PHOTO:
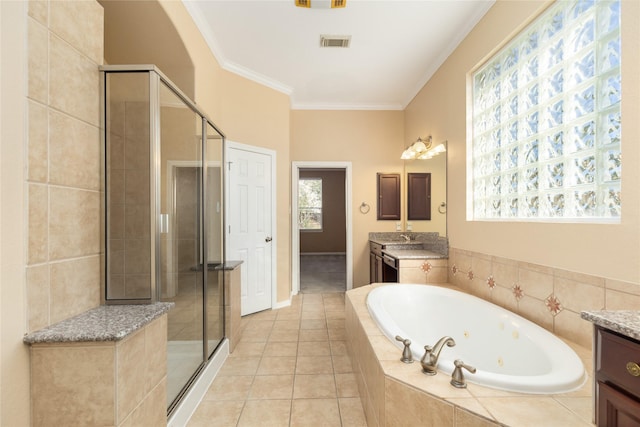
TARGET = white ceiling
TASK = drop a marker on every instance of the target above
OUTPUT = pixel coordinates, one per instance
(396, 46)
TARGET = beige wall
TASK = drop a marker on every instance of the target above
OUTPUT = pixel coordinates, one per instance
(372, 141)
(14, 356)
(609, 251)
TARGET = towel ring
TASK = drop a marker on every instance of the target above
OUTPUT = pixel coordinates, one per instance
(364, 208)
(442, 208)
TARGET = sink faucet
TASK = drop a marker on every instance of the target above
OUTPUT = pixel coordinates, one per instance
(429, 361)
(405, 237)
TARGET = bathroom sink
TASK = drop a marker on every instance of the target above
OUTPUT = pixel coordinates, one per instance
(400, 244)
(403, 245)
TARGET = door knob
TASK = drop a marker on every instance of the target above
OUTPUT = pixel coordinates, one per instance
(268, 239)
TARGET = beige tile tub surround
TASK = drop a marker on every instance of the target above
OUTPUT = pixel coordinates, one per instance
(423, 271)
(395, 393)
(551, 297)
(115, 383)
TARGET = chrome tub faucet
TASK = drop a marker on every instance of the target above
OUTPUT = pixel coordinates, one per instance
(429, 361)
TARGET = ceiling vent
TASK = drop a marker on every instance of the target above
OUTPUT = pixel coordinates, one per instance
(321, 4)
(334, 41)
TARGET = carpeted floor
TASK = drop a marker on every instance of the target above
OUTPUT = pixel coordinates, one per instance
(321, 274)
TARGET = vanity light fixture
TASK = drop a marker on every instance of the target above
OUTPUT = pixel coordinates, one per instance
(423, 149)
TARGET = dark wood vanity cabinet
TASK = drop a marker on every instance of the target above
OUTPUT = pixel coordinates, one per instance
(617, 379)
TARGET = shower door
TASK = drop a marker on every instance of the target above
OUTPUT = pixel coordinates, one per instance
(163, 214)
(191, 238)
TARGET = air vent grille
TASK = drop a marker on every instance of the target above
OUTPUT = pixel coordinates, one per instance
(335, 41)
(322, 4)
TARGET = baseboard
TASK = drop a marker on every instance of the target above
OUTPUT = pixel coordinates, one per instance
(282, 304)
(185, 409)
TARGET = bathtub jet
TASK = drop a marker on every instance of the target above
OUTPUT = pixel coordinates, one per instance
(508, 351)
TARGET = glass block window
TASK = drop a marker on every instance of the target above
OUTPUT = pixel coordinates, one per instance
(546, 120)
(310, 204)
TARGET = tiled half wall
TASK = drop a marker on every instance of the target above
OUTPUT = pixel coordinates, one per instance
(553, 298)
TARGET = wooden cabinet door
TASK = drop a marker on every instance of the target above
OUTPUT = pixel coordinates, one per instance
(616, 409)
(373, 268)
(388, 196)
(418, 196)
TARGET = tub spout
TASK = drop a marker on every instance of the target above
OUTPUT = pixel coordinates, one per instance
(429, 361)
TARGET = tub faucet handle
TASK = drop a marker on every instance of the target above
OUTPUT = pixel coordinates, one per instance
(457, 377)
(406, 353)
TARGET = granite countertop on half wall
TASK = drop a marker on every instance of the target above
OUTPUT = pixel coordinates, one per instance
(625, 322)
(104, 323)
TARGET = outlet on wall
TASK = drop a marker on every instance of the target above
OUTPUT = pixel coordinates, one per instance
(398, 226)
(409, 226)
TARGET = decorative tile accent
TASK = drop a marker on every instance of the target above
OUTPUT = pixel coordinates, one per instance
(426, 267)
(491, 282)
(553, 304)
(470, 275)
(454, 269)
(517, 291)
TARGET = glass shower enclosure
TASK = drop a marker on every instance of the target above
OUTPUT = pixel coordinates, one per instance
(163, 236)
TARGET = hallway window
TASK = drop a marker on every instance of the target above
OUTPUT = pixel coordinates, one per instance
(310, 203)
(546, 122)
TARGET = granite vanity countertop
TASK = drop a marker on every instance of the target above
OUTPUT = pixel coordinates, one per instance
(104, 323)
(413, 254)
(625, 322)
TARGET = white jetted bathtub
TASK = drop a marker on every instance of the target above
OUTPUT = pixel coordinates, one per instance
(508, 351)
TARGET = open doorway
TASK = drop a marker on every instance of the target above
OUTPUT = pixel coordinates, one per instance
(321, 227)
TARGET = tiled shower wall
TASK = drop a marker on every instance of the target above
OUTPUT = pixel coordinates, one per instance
(65, 48)
(550, 297)
(129, 258)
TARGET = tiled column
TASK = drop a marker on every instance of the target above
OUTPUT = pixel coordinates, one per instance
(65, 49)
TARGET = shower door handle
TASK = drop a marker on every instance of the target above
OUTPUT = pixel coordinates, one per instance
(268, 239)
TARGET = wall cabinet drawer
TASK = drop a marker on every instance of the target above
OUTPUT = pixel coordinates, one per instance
(376, 248)
(618, 361)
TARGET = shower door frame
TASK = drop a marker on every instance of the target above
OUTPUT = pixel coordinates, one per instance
(156, 79)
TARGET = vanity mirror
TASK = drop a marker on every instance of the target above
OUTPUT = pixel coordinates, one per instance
(425, 197)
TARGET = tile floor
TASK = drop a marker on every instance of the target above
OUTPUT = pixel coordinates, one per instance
(291, 368)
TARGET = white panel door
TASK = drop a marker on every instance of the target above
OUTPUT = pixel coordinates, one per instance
(249, 225)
